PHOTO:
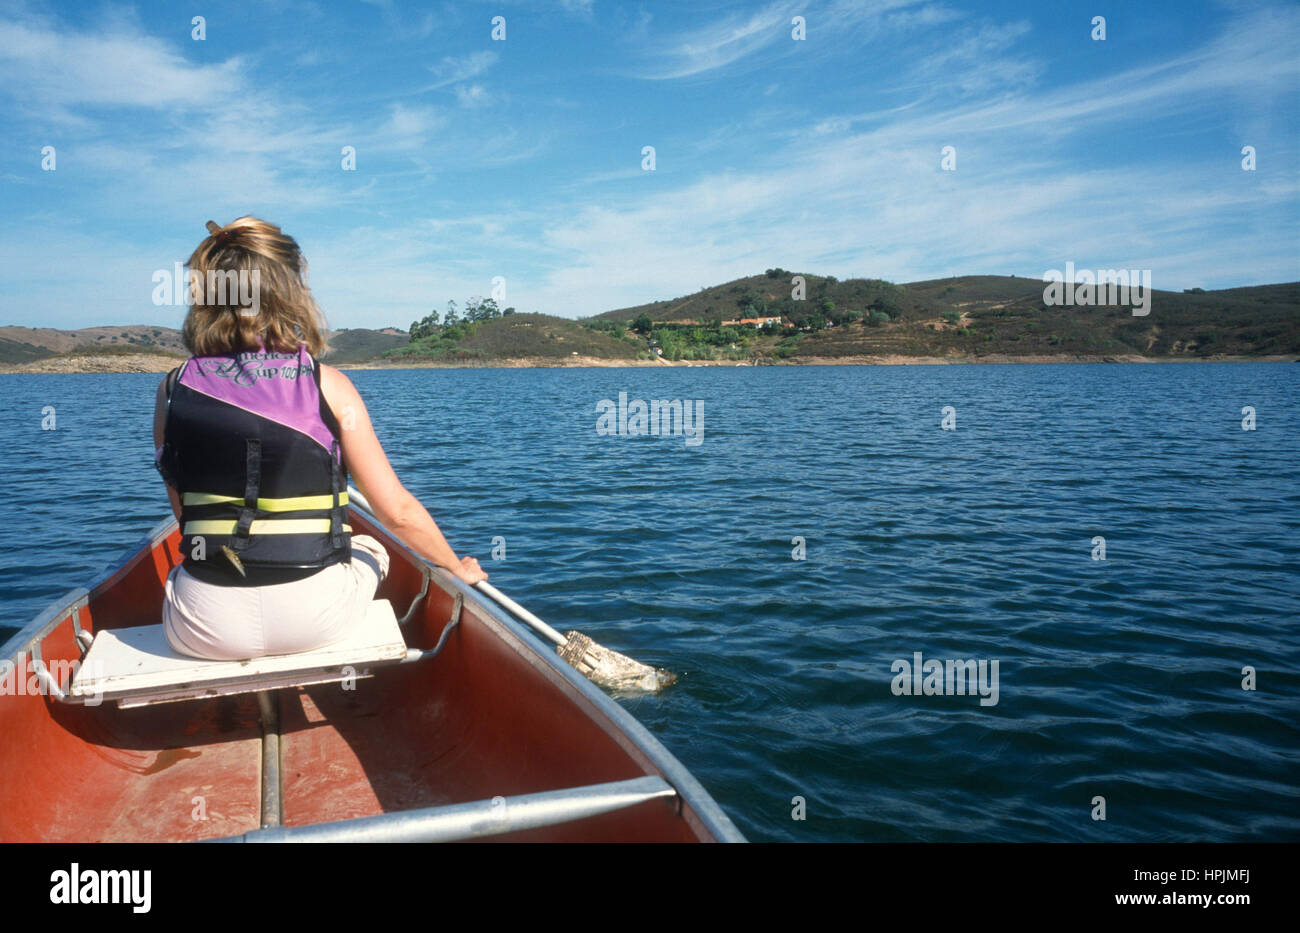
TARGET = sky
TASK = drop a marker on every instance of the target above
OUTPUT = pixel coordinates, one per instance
(522, 159)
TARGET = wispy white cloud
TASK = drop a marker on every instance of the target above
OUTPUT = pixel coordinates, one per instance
(401, 23)
(472, 95)
(764, 35)
(718, 44)
(458, 73)
(407, 127)
(66, 70)
(579, 7)
(932, 14)
(454, 70)
(982, 61)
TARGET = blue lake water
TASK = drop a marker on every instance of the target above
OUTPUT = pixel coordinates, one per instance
(1118, 678)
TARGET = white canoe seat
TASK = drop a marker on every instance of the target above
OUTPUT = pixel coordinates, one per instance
(137, 667)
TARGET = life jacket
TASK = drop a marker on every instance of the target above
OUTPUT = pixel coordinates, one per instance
(253, 450)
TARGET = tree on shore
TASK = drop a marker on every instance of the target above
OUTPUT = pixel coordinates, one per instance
(425, 327)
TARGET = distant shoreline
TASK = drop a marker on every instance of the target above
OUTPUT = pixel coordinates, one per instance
(758, 319)
(158, 363)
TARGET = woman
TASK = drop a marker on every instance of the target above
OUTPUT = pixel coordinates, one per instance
(256, 440)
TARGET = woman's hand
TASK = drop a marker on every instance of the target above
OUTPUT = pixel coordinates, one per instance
(469, 571)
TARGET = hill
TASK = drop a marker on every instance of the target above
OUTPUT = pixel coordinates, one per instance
(25, 344)
(68, 350)
(966, 317)
(357, 345)
(759, 295)
(518, 337)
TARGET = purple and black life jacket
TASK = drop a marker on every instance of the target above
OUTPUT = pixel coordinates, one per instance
(253, 450)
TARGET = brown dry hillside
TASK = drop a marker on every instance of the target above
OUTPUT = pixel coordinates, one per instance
(20, 345)
(358, 344)
(24, 344)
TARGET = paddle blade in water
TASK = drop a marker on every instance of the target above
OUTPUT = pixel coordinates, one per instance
(610, 669)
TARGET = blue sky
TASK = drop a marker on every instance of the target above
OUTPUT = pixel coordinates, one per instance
(523, 158)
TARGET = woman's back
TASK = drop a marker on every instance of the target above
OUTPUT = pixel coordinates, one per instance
(254, 451)
(257, 462)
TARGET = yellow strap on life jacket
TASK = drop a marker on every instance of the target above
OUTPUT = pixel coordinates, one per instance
(292, 504)
(263, 526)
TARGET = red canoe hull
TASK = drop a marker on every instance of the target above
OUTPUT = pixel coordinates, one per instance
(496, 714)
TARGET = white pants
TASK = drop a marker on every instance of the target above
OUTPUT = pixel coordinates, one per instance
(228, 623)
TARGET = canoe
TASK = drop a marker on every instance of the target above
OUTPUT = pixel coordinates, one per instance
(488, 736)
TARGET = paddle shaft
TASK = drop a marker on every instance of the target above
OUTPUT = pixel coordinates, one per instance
(519, 611)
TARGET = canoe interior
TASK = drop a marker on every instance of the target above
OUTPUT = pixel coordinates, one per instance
(489, 716)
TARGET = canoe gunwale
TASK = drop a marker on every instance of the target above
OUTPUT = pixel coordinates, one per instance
(27, 640)
(613, 719)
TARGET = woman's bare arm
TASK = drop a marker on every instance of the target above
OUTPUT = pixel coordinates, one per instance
(160, 422)
(373, 475)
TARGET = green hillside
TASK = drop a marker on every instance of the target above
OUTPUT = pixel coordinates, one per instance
(20, 351)
(517, 336)
(766, 294)
(962, 317)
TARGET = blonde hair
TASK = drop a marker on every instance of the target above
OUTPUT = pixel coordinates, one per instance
(273, 272)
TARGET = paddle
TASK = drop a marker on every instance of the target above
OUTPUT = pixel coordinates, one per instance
(594, 661)
(599, 664)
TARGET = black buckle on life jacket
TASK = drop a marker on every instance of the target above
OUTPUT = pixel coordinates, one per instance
(252, 486)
